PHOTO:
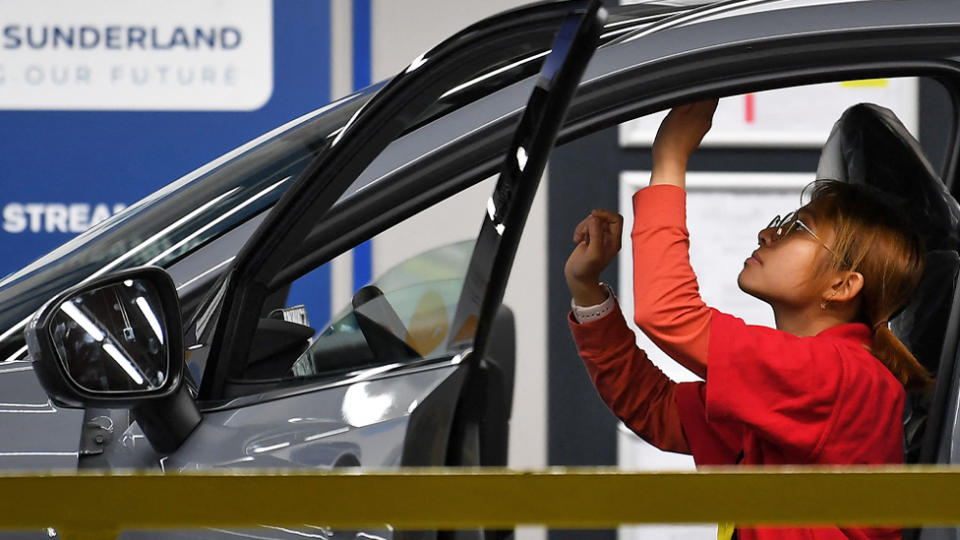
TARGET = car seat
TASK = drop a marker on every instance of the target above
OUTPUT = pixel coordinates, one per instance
(870, 146)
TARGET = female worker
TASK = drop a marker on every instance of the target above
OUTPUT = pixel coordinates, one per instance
(826, 386)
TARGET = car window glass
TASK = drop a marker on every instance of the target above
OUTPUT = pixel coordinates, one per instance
(404, 314)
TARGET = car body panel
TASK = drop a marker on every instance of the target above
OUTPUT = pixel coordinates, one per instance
(47, 436)
(359, 423)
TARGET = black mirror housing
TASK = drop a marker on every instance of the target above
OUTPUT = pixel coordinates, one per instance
(57, 368)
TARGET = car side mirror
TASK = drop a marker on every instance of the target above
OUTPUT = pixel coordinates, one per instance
(116, 342)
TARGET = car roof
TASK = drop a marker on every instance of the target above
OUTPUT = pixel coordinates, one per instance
(700, 11)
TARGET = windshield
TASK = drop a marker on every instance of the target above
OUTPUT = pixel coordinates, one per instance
(170, 223)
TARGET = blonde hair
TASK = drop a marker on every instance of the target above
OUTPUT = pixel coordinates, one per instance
(872, 237)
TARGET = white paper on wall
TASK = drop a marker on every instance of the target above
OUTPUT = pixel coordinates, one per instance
(800, 116)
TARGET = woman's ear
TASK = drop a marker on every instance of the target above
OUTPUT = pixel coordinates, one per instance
(845, 287)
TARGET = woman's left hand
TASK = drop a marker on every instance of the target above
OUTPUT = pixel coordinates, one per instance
(679, 135)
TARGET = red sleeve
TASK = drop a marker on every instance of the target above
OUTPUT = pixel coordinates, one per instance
(667, 303)
(634, 389)
(715, 442)
(783, 386)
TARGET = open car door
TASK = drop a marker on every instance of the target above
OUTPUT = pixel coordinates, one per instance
(226, 327)
(452, 413)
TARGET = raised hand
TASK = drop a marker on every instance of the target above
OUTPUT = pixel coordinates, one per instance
(598, 241)
(679, 135)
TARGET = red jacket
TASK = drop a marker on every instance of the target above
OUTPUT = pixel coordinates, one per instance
(775, 397)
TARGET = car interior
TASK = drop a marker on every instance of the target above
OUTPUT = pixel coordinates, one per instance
(869, 145)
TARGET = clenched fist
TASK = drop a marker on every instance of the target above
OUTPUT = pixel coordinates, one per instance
(598, 241)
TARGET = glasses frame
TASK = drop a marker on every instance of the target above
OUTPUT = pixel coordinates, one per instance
(784, 226)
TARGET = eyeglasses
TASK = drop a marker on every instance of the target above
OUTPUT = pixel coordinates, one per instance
(784, 226)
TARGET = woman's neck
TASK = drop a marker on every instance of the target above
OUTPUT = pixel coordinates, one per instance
(807, 321)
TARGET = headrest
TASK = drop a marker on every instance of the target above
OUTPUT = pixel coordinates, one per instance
(922, 323)
(869, 145)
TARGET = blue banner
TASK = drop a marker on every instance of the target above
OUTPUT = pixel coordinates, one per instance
(99, 108)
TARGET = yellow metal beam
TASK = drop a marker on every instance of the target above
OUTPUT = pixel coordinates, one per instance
(455, 498)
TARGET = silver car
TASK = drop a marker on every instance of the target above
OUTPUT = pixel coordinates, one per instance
(199, 362)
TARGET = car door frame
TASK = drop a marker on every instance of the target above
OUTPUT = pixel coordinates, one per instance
(247, 283)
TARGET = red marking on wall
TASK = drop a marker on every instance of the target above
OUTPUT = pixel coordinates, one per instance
(750, 108)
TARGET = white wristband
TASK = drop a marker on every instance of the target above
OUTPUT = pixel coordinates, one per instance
(584, 314)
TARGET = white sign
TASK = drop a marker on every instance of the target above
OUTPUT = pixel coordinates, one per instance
(801, 116)
(136, 54)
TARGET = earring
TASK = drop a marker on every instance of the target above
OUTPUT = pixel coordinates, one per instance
(825, 301)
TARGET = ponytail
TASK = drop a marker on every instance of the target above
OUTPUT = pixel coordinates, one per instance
(899, 360)
(874, 238)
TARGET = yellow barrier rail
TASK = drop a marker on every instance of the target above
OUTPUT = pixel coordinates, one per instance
(99, 505)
